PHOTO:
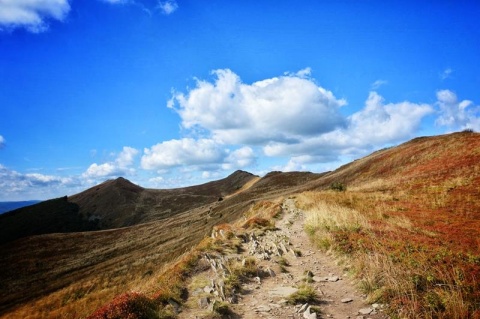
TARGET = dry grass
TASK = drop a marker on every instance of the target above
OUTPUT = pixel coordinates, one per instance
(395, 259)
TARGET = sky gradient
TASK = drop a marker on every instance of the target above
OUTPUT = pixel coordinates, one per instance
(176, 93)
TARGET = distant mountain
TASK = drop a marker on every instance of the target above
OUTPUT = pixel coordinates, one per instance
(8, 206)
(113, 204)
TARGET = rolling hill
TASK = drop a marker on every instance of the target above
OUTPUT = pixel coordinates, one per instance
(113, 204)
(423, 192)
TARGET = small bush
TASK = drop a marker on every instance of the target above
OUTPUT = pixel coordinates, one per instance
(306, 294)
(337, 186)
(130, 305)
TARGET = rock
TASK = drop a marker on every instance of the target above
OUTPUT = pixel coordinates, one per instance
(303, 308)
(318, 279)
(263, 308)
(346, 300)
(203, 302)
(282, 291)
(309, 315)
(333, 279)
(197, 292)
(360, 317)
(175, 305)
(365, 311)
(208, 289)
(270, 272)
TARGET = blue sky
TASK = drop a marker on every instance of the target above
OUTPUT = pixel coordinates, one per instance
(176, 93)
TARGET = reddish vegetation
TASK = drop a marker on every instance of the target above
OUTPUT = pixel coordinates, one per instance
(421, 199)
(127, 306)
(432, 184)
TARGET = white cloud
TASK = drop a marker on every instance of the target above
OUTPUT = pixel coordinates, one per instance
(446, 74)
(378, 83)
(186, 151)
(2, 141)
(457, 114)
(13, 183)
(32, 14)
(375, 125)
(168, 7)
(126, 157)
(279, 109)
(120, 166)
(239, 158)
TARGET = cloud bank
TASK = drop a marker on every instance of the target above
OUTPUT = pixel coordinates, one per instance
(120, 166)
(288, 119)
(31, 14)
(291, 116)
(457, 114)
(279, 109)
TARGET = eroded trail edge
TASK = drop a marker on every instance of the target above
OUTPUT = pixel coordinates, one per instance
(285, 277)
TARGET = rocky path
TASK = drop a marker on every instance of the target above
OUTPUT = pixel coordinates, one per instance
(287, 261)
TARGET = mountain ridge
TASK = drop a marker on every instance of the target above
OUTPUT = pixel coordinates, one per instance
(443, 168)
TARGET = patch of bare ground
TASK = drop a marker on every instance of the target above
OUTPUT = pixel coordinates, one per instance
(283, 276)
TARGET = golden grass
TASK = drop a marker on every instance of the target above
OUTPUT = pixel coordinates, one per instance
(395, 259)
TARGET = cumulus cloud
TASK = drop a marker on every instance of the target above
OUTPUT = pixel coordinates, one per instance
(375, 125)
(13, 182)
(239, 158)
(280, 109)
(186, 151)
(2, 141)
(196, 154)
(289, 116)
(120, 166)
(168, 7)
(457, 114)
(31, 14)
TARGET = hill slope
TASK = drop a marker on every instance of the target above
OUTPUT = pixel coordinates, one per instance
(424, 192)
(113, 204)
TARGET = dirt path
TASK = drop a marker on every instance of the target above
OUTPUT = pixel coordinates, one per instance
(266, 297)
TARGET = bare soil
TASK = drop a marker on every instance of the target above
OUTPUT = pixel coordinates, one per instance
(263, 298)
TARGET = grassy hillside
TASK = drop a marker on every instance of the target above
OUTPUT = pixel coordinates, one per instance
(406, 220)
(51, 216)
(85, 270)
(409, 222)
(113, 204)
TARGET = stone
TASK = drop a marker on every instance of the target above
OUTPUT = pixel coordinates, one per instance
(208, 289)
(203, 302)
(282, 291)
(270, 272)
(333, 279)
(318, 279)
(309, 315)
(263, 308)
(346, 300)
(303, 308)
(365, 311)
